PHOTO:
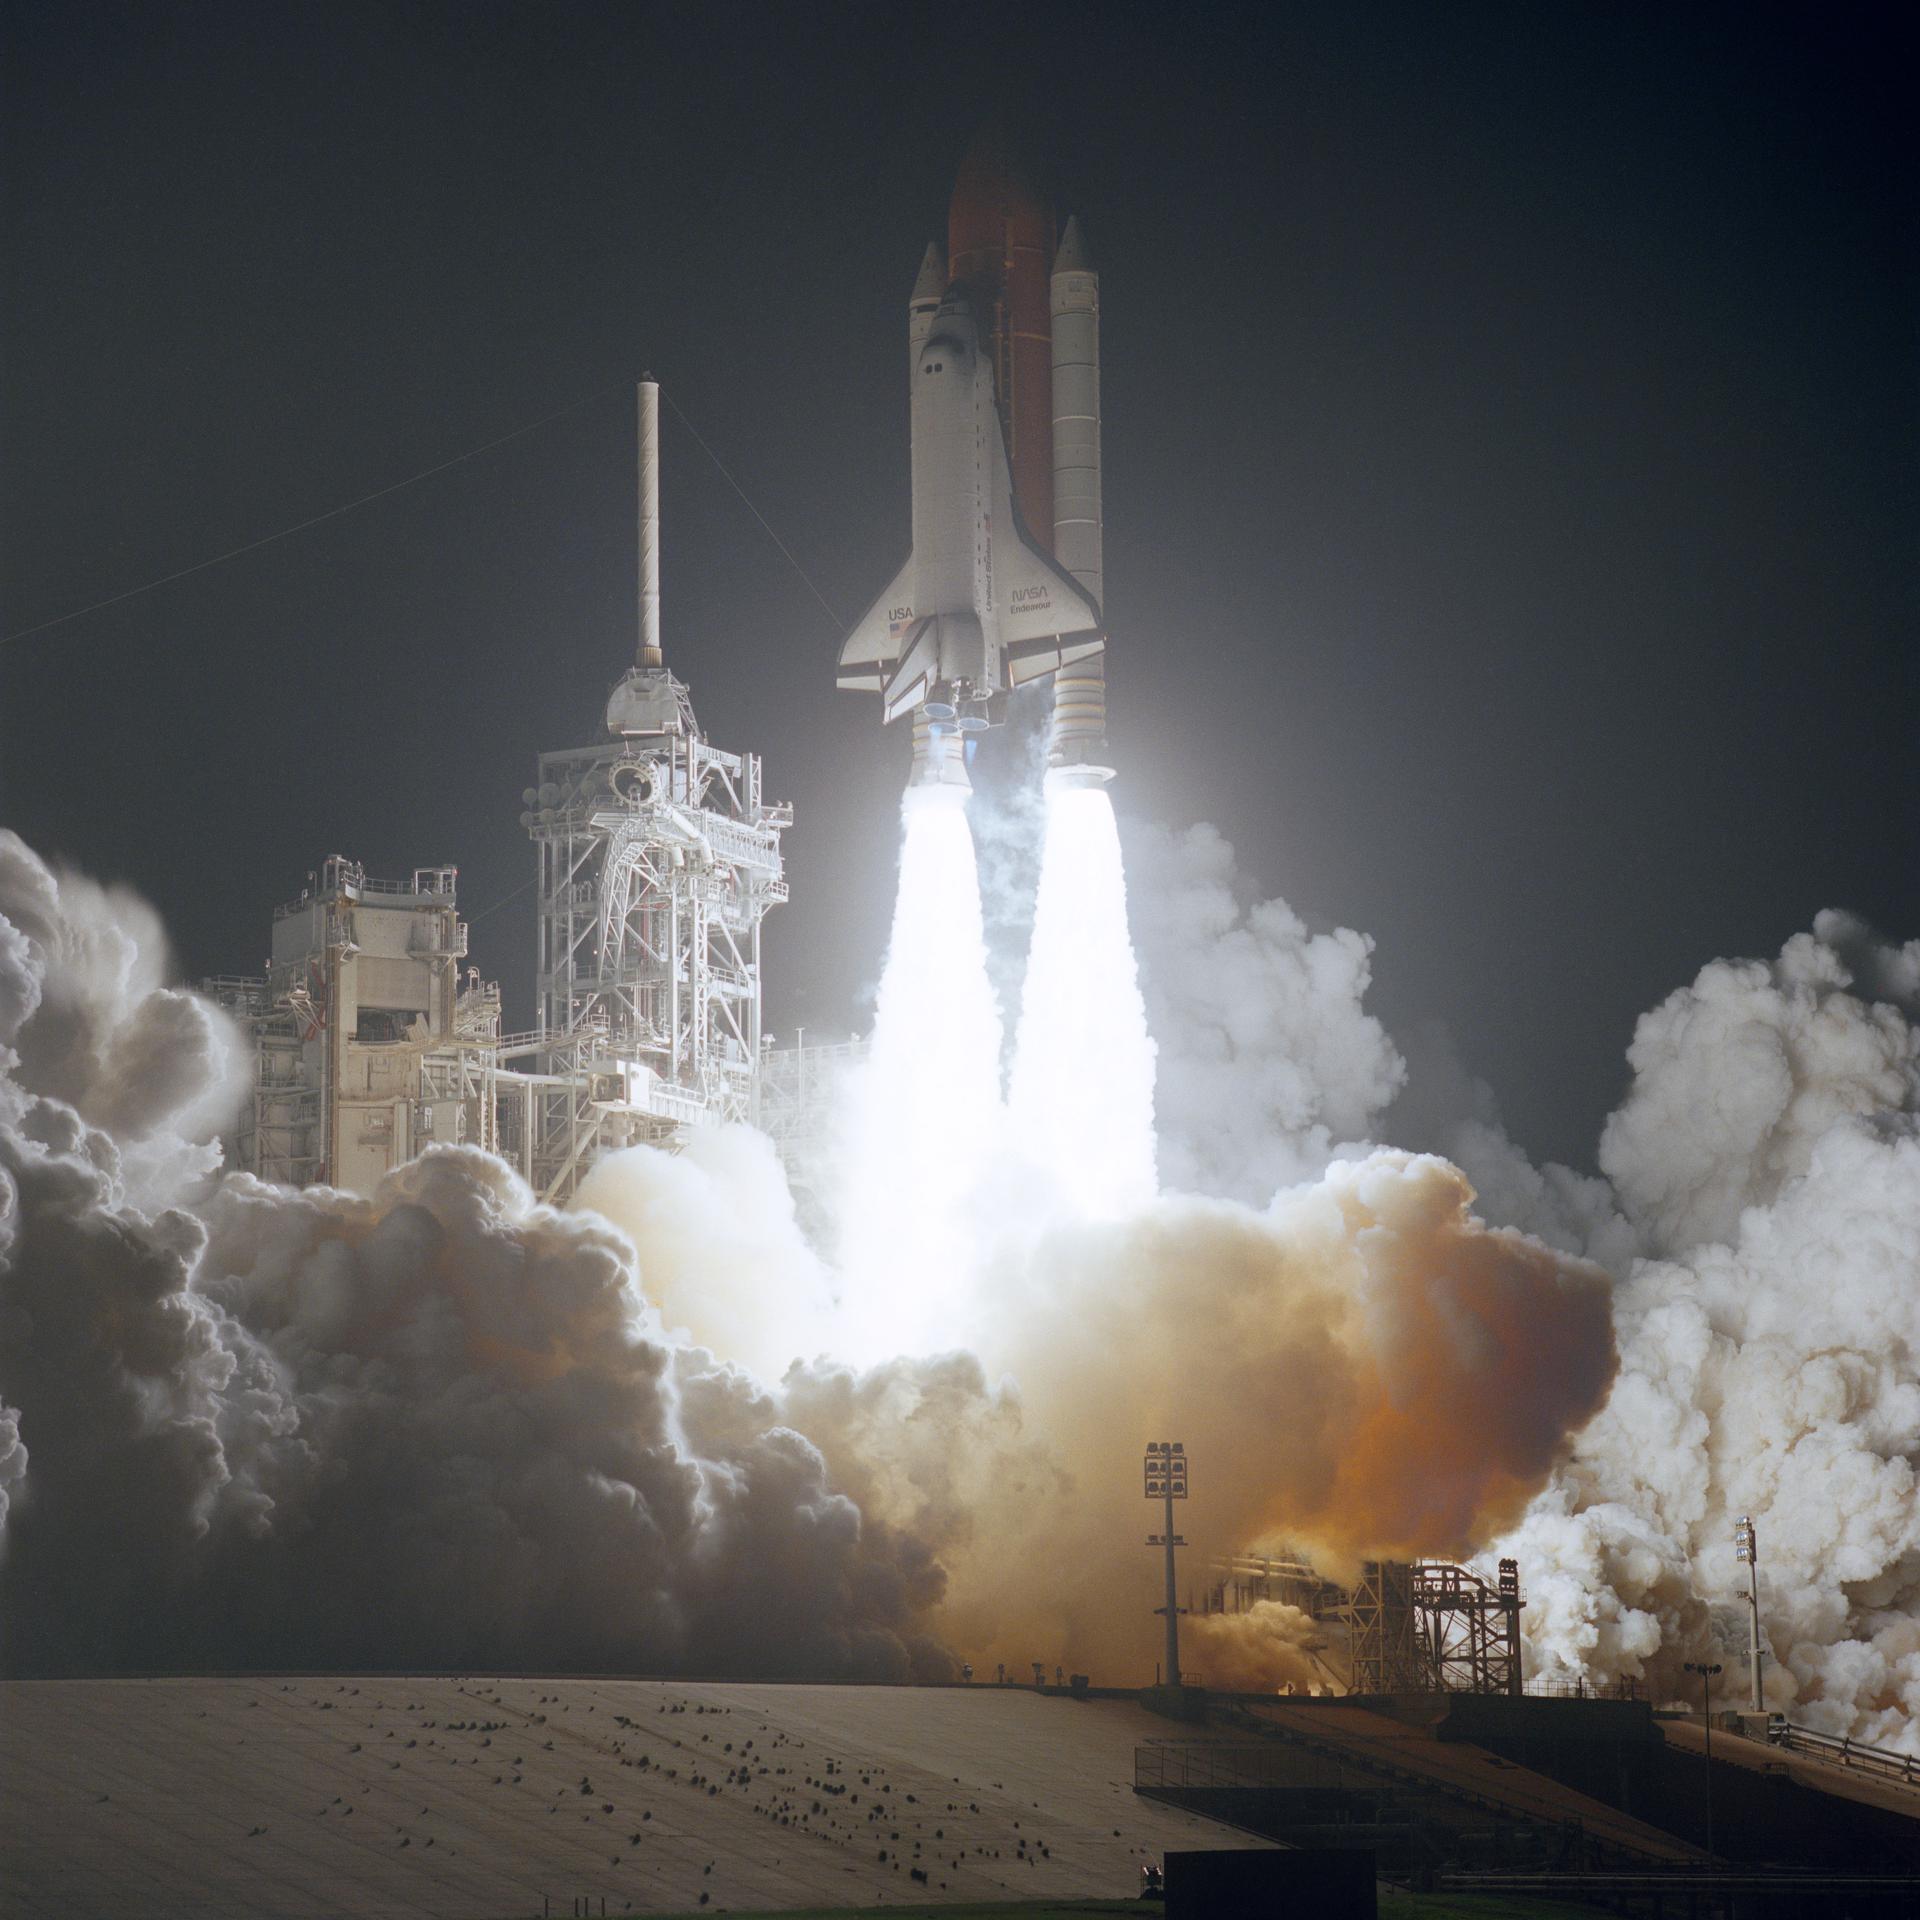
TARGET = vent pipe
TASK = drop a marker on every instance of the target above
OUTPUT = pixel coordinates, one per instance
(650, 654)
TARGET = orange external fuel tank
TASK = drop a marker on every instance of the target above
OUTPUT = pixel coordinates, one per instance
(1000, 242)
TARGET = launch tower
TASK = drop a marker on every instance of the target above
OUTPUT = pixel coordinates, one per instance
(659, 857)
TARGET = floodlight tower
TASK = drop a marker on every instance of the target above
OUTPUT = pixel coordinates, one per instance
(1166, 1476)
(1706, 1670)
(1747, 1543)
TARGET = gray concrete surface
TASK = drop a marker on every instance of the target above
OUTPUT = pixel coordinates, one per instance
(372, 1798)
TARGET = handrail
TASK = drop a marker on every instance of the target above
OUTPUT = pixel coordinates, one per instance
(1846, 1752)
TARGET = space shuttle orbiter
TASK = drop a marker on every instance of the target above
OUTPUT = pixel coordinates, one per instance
(1005, 426)
(978, 607)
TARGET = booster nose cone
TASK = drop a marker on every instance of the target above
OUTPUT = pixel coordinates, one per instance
(1073, 255)
(932, 280)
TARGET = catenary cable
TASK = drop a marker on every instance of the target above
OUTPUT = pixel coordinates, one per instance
(838, 624)
(505, 900)
(427, 473)
(332, 513)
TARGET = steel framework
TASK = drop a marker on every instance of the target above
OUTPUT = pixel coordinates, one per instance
(1243, 1580)
(659, 857)
(1387, 1656)
(1435, 1628)
(1470, 1631)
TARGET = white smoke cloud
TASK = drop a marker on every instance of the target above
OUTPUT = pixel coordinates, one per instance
(1738, 1077)
(450, 1426)
(1771, 1363)
(725, 1263)
(1268, 1059)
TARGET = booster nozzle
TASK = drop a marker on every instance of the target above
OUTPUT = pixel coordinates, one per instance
(1077, 744)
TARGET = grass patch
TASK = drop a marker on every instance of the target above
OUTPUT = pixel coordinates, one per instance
(1395, 1905)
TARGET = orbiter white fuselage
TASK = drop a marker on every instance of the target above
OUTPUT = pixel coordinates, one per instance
(978, 607)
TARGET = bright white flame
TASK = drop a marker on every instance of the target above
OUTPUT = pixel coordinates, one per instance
(1081, 1099)
(925, 1113)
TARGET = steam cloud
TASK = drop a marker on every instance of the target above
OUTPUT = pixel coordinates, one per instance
(1768, 1155)
(1268, 1058)
(451, 1427)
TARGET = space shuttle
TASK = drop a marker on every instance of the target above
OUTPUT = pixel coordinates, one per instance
(1004, 406)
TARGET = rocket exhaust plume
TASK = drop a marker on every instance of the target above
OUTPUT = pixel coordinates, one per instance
(1080, 1102)
(924, 1113)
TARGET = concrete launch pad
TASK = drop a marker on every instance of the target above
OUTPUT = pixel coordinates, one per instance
(377, 1796)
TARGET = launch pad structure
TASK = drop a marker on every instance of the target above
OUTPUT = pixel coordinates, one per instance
(1421, 1627)
(658, 857)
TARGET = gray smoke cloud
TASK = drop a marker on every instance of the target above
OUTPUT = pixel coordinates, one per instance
(442, 1427)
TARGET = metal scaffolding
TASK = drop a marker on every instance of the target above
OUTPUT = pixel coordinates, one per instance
(1387, 1656)
(659, 857)
(1435, 1628)
(1470, 1632)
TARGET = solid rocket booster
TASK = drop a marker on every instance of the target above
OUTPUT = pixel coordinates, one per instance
(1003, 584)
(1076, 410)
(1077, 747)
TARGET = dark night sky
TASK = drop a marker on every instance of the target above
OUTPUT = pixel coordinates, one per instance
(1510, 470)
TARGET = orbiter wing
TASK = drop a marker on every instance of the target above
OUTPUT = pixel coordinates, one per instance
(869, 651)
(1045, 618)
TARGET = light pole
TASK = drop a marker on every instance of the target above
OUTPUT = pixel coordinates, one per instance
(1706, 1670)
(1747, 1543)
(1166, 1473)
